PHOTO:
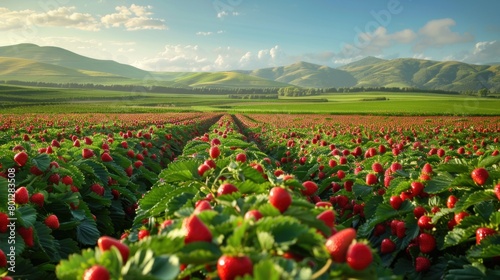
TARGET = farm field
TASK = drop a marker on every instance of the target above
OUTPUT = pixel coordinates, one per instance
(295, 196)
(46, 100)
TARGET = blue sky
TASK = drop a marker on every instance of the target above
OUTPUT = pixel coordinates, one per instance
(215, 35)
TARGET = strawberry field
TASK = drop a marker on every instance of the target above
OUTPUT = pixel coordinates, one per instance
(212, 196)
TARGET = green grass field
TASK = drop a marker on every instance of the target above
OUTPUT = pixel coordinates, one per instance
(46, 100)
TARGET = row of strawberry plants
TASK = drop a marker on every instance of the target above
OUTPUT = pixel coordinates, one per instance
(426, 196)
(73, 187)
(223, 210)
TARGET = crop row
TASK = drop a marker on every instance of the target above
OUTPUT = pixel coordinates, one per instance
(280, 197)
(65, 184)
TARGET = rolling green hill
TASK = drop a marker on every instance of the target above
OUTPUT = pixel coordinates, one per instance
(426, 74)
(306, 74)
(29, 62)
(33, 71)
(65, 58)
(226, 80)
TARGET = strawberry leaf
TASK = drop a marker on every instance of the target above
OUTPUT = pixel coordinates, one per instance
(439, 183)
(489, 161)
(49, 245)
(42, 161)
(26, 216)
(87, 233)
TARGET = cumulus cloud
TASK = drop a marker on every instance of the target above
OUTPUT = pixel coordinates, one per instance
(60, 17)
(438, 33)
(196, 58)
(133, 18)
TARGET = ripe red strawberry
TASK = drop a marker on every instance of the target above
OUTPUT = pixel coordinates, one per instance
(419, 211)
(21, 158)
(416, 188)
(377, 167)
(371, 179)
(4, 222)
(202, 169)
(280, 198)
(328, 217)
(196, 230)
(27, 235)
(38, 199)
(3, 259)
(482, 233)
(106, 242)
(425, 223)
(359, 256)
(450, 203)
(35, 171)
(241, 157)
(460, 216)
(96, 272)
(129, 170)
(422, 264)
(338, 244)
(388, 246)
(52, 221)
(230, 267)
(138, 164)
(130, 154)
(214, 152)
(395, 202)
(106, 157)
(22, 195)
(253, 214)
(426, 243)
(143, 233)
(480, 175)
(401, 229)
(98, 189)
(87, 153)
(202, 205)
(54, 178)
(67, 180)
(497, 191)
(309, 188)
(226, 188)
(210, 163)
(215, 142)
(427, 169)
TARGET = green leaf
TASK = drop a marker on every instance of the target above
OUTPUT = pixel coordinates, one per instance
(165, 267)
(41, 161)
(236, 239)
(474, 198)
(179, 171)
(26, 215)
(47, 242)
(87, 233)
(266, 270)
(199, 253)
(453, 168)
(485, 209)
(97, 169)
(495, 218)
(489, 161)
(266, 240)
(75, 265)
(362, 191)
(465, 273)
(439, 183)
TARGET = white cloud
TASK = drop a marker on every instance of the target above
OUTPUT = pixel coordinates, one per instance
(372, 44)
(196, 58)
(482, 53)
(438, 33)
(133, 18)
(223, 14)
(209, 33)
(60, 17)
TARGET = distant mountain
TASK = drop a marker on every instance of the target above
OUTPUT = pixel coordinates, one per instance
(226, 80)
(426, 74)
(306, 74)
(32, 71)
(28, 62)
(65, 58)
(369, 60)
